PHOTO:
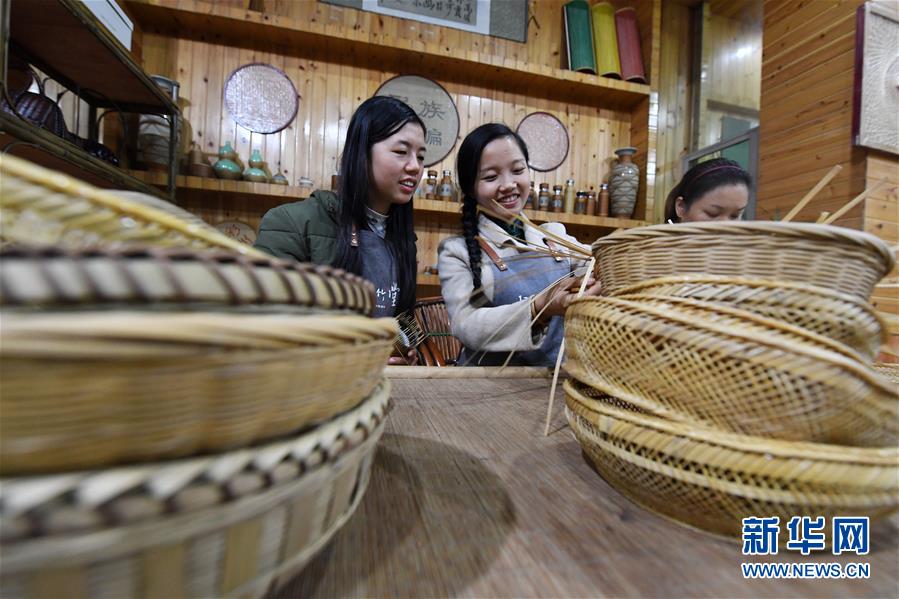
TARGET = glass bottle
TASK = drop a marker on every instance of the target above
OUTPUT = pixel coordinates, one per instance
(430, 189)
(558, 200)
(570, 197)
(603, 208)
(580, 203)
(543, 202)
(446, 190)
(532, 198)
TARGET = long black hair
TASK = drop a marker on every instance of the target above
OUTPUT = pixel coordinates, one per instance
(468, 162)
(703, 178)
(375, 120)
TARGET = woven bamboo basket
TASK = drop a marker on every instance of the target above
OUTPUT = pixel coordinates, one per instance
(684, 363)
(838, 316)
(43, 206)
(102, 388)
(234, 525)
(711, 480)
(832, 257)
(175, 278)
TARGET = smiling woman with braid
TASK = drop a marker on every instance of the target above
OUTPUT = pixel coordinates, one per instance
(490, 274)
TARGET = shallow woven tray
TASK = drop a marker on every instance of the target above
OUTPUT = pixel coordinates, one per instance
(710, 480)
(193, 279)
(101, 388)
(685, 363)
(839, 316)
(234, 524)
(832, 257)
(43, 206)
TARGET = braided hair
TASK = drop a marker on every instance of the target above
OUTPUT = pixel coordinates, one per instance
(468, 164)
(703, 178)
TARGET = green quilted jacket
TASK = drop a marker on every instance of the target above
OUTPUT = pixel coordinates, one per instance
(305, 231)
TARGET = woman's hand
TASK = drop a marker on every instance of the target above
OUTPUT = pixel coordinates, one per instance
(557, 298)
(411, 359)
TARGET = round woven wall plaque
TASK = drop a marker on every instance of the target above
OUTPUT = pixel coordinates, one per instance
(434, 106)
(261, 98)
(546, 138)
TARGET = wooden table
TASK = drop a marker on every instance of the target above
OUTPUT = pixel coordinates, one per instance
(468, 498)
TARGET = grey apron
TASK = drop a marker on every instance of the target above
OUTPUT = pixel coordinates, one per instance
(379, 267)
(517, 280)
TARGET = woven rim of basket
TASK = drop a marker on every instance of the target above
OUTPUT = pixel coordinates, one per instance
(808, 231)
(681, 438)
(598, 308)
(828, 488)
(800, 289)
(749, 317)
(126, 335)
(889, 370)
(19, 175)
(58, 276)
(163, 482)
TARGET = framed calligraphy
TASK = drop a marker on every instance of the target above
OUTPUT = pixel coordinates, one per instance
(507, 19)
(436, 108)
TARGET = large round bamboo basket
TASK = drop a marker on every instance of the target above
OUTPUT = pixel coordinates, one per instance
(681, 363)
(43, 206)
(104, 388)
(838, 316)
(151, 278)
(233, 525)
(711, 480)
(832, 257)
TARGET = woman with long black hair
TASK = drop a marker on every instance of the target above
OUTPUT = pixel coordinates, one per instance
(505, 287)
(366, 228)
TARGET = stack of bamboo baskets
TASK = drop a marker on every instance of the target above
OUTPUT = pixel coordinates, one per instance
(181, 415)
(728, 373)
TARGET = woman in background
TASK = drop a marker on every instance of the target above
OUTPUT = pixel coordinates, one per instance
(366, 228)
(713, 190)
(489, 275)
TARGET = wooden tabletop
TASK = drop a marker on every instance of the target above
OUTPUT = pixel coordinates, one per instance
(468, 498)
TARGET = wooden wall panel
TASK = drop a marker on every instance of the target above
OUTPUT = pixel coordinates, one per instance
(806, 117)
(330, 92)
(806, 108)
(674, 102)
(731, 71)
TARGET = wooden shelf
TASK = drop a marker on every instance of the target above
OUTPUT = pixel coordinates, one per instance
(538, 216)
(22, 139)
(65, 40)
(235, 26)
(210, 186)
(205, 185)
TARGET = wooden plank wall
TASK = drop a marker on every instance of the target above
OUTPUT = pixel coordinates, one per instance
(731, 70)
(675, 110)
(331, 89)
(806, 108)
(806, 128)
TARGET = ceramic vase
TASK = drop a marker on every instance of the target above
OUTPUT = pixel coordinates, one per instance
(623, 184)
(226, 166)
(256, 171)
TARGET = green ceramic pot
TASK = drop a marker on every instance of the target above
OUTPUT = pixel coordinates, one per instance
(226, 166)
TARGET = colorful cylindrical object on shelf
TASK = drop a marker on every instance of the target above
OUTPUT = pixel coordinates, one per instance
(629, 52)
(578, 36)
(605, 40)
